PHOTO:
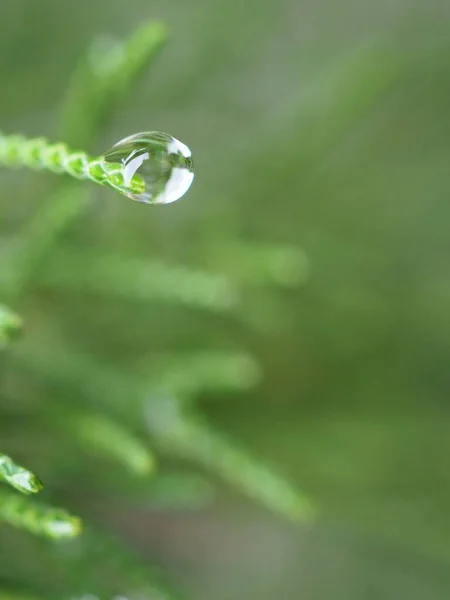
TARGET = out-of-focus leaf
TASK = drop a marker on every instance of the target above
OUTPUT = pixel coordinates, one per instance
(190, 438)
(116, 275)
(101, 81)
(104, 436)
(104, 77)
(37, 518)
(10, 325)
(189, 375)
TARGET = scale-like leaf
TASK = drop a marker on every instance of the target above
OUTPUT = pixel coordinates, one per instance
(18, 477)
(39, 519)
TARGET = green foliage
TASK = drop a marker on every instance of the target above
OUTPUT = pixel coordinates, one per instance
(188, 437)
(323, 125)
(37, 518)
(97, 87)
(20, 478)
(103, 79)
(122, 276)
(97, 421)
(40, 154)
(102, 435)
(10, 324)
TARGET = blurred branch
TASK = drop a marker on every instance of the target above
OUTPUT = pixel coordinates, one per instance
(103, 436)
(135, 279)
(178, 434)
(104, 77)
(98, 86)
(188, 374)
(188, 437)
(37, 518)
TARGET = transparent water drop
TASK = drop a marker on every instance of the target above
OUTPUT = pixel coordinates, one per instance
(151, 167)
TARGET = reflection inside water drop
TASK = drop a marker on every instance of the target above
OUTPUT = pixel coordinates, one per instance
(152, 167)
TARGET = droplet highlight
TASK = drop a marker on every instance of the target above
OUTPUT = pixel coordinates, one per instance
(150, 167)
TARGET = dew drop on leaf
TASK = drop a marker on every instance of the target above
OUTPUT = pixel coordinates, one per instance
(151, 167)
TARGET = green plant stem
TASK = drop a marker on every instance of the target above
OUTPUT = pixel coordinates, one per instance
(41, 155)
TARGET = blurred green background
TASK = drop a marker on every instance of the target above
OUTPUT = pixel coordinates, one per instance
(321, 138)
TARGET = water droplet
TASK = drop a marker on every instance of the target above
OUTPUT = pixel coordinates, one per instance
(151, 167)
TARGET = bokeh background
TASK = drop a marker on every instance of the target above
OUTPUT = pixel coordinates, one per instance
(321, 139)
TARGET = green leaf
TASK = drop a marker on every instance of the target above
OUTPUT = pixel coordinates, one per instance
(188, 437)
(36, 518)
(185, 374)
(10, 325)
(18, 477)
(106, 437)
(195, 373)
(130, 278)
(100, 83)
